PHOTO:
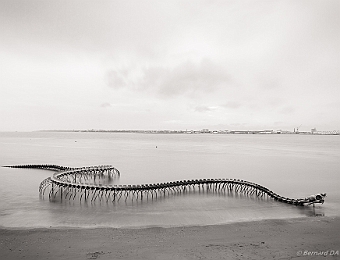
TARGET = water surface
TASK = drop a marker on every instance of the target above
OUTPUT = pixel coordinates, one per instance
(295, 166)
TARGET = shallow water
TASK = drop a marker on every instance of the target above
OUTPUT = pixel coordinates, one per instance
(295, 166)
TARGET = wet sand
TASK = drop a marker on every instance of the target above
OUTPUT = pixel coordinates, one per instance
(267, 239)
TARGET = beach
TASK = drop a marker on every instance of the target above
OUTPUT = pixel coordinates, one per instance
(305, 238)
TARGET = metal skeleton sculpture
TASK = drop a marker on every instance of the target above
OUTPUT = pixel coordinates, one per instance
(69, 182)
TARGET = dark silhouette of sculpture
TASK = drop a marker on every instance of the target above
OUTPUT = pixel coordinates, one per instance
(69, 182)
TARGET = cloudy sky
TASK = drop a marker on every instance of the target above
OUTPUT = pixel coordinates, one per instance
(169, 65)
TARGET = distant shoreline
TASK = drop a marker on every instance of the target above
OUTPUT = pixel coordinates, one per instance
(204, 131)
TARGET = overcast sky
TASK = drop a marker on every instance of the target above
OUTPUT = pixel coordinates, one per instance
(169, 65)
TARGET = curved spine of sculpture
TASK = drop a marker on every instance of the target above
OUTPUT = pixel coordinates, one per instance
(68, 182)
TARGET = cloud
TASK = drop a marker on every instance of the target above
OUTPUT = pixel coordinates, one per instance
(105, 105)
(287, 110)
(203, 109)
(231, 104)
(116, 79)
(188, 79)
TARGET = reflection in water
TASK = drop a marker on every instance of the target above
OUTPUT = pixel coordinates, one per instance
(103, 179)
(226, 203)
(311, 211)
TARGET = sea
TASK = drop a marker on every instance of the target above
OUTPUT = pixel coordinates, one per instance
(292, 165)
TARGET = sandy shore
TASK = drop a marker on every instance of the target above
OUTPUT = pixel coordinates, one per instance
(269, 239)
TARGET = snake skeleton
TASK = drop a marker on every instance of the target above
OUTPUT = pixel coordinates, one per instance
(69, 182)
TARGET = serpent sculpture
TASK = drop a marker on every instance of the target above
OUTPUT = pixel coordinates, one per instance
(69, 182)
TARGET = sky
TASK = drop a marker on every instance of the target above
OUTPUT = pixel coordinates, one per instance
(176, 65)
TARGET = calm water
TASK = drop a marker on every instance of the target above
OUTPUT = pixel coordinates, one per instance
(291, 165)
